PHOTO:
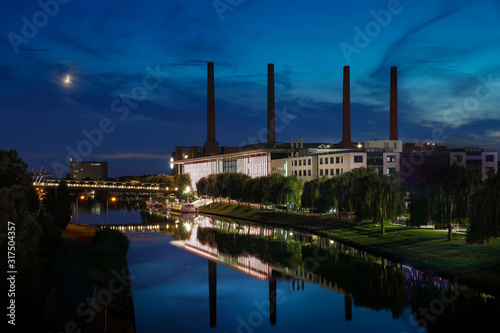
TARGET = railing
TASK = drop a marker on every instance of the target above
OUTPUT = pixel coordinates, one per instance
(103, 185)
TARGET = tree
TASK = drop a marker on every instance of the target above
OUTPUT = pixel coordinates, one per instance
(13, 170)
(57, 206)
(485, 211)
(235, 185)
(182, 181)
(201, 186)
(310, 193)
(292, 190)
(450, 191)
(248, 193)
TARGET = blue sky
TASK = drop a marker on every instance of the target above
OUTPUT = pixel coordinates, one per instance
(137, 74)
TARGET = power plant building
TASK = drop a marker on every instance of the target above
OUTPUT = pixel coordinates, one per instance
(315, 160)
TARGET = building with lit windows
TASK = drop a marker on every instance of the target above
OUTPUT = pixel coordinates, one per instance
(414, 161)
(93, 170)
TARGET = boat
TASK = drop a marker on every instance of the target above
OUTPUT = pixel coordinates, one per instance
(181, 208)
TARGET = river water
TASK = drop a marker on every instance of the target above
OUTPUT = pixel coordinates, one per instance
(199, 274)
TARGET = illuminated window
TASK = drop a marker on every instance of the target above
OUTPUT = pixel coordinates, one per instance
(391, 158)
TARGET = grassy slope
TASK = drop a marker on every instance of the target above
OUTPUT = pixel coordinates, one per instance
(430, 247)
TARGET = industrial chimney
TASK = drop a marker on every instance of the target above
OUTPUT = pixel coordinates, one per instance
(346, 111)
(211, 146)
(394, 104)
(271, 120)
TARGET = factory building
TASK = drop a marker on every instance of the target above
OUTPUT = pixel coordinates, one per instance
(415, 161)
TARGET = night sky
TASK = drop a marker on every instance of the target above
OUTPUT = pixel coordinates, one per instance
(132, 75)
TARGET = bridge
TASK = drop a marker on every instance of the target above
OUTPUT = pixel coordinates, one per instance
(106, 185)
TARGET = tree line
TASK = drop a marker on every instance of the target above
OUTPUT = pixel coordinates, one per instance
(363, 191)
(38, 227)
(275, 189)
(458, 195)
(452, 195)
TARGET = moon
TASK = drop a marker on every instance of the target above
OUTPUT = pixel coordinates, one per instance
(67, 80)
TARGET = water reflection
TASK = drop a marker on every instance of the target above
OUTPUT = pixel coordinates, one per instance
(284, 256)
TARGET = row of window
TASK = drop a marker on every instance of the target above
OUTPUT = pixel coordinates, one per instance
(300, 162)
(325, 173)
(338, 159)
(322, 172)
(300, 173)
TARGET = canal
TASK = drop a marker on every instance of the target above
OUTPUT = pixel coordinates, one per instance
(199, 274)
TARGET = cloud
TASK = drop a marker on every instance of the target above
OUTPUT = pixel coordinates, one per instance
(493, 134)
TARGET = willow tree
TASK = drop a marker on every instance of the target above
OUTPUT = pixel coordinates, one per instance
(450, 192)
(292, 190)
(485, 211)
(310, 193)
(344, 187)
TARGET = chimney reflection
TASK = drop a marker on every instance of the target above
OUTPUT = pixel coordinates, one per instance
(212, 292)
(272, 300)
(348, 307)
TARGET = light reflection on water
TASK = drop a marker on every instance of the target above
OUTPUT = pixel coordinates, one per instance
(214, 276)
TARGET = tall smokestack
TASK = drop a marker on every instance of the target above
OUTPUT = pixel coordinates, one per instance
(210, 103)
(394, 103)
(346, 111)
(211, 146)
(271, 120)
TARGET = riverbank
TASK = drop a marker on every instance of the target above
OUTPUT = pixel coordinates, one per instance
(428, 250)
(86, 277)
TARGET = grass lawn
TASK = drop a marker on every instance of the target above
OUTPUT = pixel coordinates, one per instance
(429, 247)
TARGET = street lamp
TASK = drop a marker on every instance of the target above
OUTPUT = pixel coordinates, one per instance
(107, 209)
(82, 198)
